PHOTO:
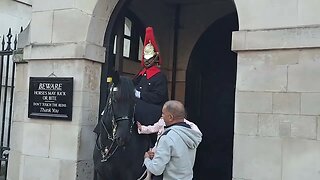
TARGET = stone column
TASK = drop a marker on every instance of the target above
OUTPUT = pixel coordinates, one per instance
(277, 99)
(66, 40)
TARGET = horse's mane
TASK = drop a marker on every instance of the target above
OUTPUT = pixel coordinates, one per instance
(125, 94)
(125, 89)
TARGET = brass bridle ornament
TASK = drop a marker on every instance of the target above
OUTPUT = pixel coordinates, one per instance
(109, 151)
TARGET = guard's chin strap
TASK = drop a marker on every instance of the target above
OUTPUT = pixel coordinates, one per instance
(152, 61)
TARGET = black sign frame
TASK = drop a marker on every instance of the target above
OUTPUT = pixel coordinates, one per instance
(50, 98)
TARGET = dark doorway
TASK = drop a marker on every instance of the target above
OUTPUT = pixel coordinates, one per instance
(210, 95)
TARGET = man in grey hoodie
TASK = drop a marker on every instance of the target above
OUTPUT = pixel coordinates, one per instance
(176, 148)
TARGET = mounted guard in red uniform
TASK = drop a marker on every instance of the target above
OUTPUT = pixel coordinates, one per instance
(150, 83)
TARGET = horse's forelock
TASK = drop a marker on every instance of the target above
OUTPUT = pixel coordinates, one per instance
(125, 89)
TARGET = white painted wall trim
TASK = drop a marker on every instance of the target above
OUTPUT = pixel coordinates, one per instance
(272, 39)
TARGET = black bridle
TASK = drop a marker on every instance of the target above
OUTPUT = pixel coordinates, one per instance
(108, 151)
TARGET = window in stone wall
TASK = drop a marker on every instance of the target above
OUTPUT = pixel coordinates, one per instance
(127, 37)
(133, 34)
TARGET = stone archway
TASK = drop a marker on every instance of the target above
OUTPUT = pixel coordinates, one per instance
(278, 59)
(222, 169)
(77, 50)
(210, 84)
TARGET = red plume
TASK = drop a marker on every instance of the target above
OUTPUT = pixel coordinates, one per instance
(149, 37)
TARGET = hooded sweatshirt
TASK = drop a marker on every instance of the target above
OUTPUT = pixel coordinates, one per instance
(175, 153)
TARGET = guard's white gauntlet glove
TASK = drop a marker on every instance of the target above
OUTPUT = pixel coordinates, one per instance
(137, 93)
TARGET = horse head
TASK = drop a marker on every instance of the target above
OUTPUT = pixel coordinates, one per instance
(122, 104)
(117, 129)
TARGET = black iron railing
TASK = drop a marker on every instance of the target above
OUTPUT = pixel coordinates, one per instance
(7, 77)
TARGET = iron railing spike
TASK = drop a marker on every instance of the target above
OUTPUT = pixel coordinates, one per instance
(15, 42)
(9, 40)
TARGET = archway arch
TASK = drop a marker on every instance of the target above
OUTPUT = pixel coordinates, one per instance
(215, 42)
(115, 9)
(210, 84)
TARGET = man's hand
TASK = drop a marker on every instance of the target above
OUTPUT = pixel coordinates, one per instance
(149, 154)
(137, 93)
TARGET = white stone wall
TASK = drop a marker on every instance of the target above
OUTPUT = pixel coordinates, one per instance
(14, 14)
(270, 14)
(66, 39)
(60, 148)
(72, 29)
(277, 123)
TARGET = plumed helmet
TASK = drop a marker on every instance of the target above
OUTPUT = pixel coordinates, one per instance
(148, 51)
(150, 48)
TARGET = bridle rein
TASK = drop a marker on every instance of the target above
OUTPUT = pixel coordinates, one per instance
(108, 151)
